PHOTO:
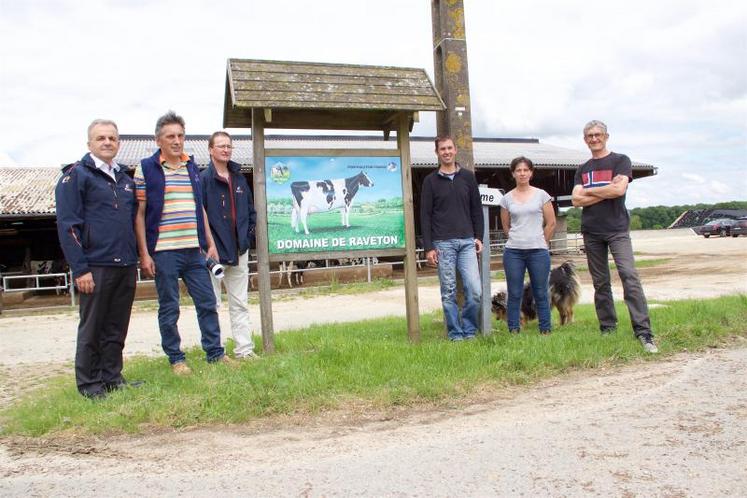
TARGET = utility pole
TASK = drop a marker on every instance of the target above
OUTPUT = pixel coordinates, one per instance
(452, 83)
(452, 79)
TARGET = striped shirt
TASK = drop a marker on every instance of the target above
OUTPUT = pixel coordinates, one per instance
(178, 227)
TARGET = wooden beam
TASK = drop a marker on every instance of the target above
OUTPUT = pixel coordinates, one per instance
(411, 269)
(332, 152)
(263, 256)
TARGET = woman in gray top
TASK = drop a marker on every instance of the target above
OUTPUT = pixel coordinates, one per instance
(528, 218)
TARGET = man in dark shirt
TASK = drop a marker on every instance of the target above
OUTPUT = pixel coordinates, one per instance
(95, 204)
(600, 186)
(452, 225)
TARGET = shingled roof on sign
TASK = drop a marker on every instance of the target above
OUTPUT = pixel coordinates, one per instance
(307, 95)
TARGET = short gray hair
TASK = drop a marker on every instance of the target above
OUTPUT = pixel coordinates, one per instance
(104, 122)
(169, 118)
(595, 124)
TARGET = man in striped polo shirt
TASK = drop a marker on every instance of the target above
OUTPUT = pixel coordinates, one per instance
(174, 238)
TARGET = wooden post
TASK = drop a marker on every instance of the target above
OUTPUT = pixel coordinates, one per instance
(411, 270)
(263, 252)
(452, 76)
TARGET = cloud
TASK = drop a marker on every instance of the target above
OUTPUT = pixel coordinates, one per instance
(694, 178)
(668, 77)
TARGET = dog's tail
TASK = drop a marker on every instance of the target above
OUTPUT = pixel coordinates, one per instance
(565, 281)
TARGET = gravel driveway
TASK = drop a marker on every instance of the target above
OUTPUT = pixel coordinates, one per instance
(671, 428)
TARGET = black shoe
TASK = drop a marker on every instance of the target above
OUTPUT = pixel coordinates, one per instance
(95, 395)
(514, 331)
(124, 385)
(545, 332)
(607, 330)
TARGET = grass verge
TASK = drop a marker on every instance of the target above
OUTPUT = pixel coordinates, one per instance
(370, 363)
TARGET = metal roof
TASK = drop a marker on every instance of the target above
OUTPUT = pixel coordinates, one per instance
(488, 152)
(27, 191)
(307, 95)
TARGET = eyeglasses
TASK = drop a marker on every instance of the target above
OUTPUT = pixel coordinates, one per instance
(591, 136)
(225, 147)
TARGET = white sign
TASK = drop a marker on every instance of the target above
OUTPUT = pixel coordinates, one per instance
(490, 196)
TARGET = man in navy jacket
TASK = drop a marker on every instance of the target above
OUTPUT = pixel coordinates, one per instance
(230, 209)
(96, 206)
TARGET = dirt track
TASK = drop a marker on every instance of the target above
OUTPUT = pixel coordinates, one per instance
(673, 428)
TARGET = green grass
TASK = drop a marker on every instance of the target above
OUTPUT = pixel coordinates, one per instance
(335, 287)
(647, 263)
(369, 363)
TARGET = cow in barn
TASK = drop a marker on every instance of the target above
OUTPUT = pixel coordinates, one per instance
(325, 195)
(54, 267)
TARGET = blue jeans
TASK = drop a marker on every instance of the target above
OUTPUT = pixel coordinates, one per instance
(515, 264)
(459, 255)
(189, 264)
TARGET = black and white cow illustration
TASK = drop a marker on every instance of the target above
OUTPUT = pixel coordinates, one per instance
(325, 195)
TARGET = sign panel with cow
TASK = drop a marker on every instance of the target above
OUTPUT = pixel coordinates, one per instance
(334, 203)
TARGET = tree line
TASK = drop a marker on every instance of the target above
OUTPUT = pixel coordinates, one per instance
(654, 217)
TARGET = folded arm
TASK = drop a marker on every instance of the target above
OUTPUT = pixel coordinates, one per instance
(613, 190)
(580, 198)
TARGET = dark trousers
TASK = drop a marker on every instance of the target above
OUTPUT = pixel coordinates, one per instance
(597, 249)
(104, 319)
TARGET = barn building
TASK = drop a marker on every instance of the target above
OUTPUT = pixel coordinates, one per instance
(27, 218)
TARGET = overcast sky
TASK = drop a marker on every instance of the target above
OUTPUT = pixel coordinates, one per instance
(669, 77)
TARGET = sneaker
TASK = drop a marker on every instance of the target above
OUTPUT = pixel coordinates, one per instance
(607, 330)
(181, 369)
(456, 338)
(227, 360)
(469, 337)
(648, 343)
(545, 332)
(251, 355)
(514, 331)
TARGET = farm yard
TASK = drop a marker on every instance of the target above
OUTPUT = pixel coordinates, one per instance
(672, 427)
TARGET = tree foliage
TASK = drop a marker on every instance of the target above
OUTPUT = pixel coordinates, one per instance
(654, 217)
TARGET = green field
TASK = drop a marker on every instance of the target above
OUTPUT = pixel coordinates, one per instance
(328, 226)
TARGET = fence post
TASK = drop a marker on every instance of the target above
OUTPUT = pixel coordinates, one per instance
(72, 289)
(486, 320)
